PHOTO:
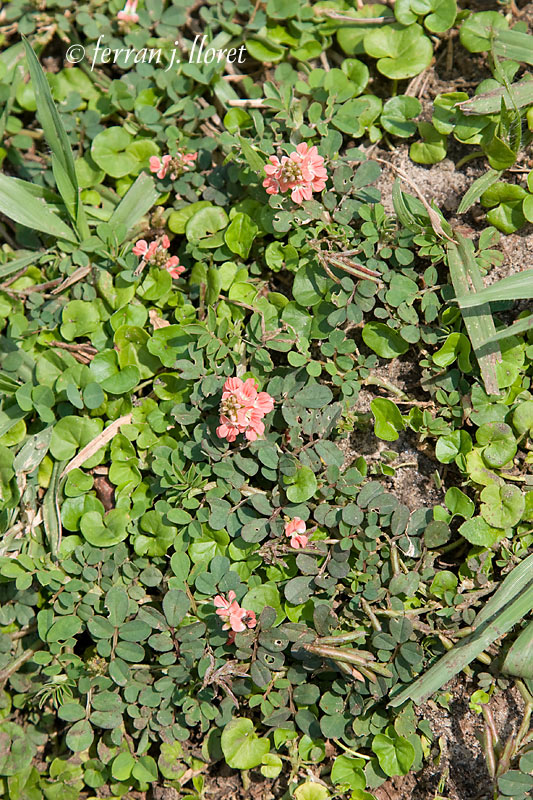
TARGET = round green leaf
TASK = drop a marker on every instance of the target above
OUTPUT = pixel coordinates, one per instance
(395, 755)
(383, 340)
(80, 736)
(402, 52)
(108, 151)
(241, 746)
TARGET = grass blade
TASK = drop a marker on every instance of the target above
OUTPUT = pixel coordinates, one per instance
(137, 201)
(18, 263)
(56, 138)
(18, 74)
(514, 287)
(490, 102)
(519, 661)
(479, 186)
(514, 45)
(520, 326)
(51, 513)
(17, 203)
(466, 280)
(509, 604)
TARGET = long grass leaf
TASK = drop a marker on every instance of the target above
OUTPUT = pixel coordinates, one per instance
(509, 604)
(514, 45)
(466, 279)
(479, 186)
(490, 102)
(514, 287)
(9, 417)
(18, 75)
(19, 205)
(520, 326)
(51, 513)
(139, 198)
(56, 138)
(519, 659)
(17, 263)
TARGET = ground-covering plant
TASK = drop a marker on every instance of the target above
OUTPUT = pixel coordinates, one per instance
(197, 564)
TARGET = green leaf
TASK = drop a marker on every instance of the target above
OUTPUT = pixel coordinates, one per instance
(254, 159)
(443, 16)
(477, 31)
(122, 766)
(443, 582)
(271, 765)
(395, 753)
(314, 395)
(112, 379)
(64, 628)
(56, 138)
(240, 234)
(402, 52)
(455, 347)
(432, 148)
(137, 201)
(397, 113)
(108, 151)
(499, 443)
(204, 229)
(106, 531)
(71, 434)
(80, 736)
(518, 660)
(513, 287)
(479, 187)
(502, 506)
(302, 485)
(478, 532)
(175, 606)
(384, 341)
(18, 204)
(117, 603)
(388, 421)
(459, 503)
(241, 746)
(263, 49)
(348, 772)
(260, 597)
(464, 273)
(311, 791)
(79, 318)
(145, 769)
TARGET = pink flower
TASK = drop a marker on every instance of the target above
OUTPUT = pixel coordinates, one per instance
(177, 164)
(302, 173)
(235, 618)
(156, 254)
(142, 248)
(160, 165)
(242, 409)
(173, 267)
(295, 529)
(128, 13)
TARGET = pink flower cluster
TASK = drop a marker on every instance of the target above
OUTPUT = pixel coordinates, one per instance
(177, 164)
(242, 409)
(235, 618)
(156, 254)
(295, 529)
(302, 172)
(129, 12)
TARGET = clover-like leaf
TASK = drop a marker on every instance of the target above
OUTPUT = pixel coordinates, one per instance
(241, 746)
(401, 52)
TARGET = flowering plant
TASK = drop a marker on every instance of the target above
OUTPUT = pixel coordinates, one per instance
(242, 409)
